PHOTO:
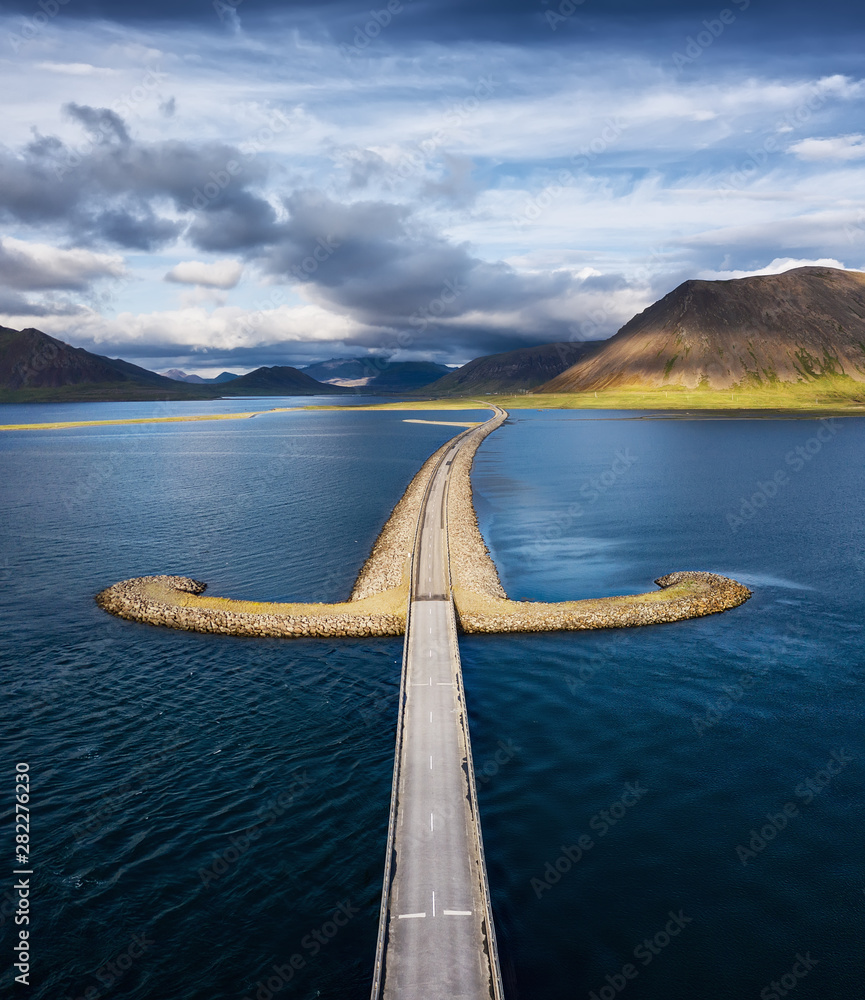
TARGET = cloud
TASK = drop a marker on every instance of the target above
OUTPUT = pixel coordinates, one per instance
(220, 274)
(134, 194)
(778, 266)
(38, 266)
(842, 147)
(102, 122)
(76, 69)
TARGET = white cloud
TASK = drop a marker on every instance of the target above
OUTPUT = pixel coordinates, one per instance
(778, 266)
(195, 328)
(76, 69)
(841, 147)
(220, 274)
(37, 266)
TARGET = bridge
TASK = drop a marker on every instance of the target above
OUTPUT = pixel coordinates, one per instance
(436, 936)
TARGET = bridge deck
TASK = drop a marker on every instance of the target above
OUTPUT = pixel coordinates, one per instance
(437, 938)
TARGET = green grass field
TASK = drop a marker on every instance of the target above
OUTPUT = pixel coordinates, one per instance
(829, 395)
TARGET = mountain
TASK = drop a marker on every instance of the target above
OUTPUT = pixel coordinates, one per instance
(790, 327)
(35, 367)
(511, 371)
(377, 374)
(179, 376)
(279, 381)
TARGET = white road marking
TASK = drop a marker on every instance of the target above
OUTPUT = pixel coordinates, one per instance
(431, 822)
(434, 903)
(445, 684)
(457, 913)
(411, 916)
(430, 716)
(430, 761)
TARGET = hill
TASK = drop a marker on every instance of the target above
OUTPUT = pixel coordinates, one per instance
(377, 374)
(795, 327)
(280, 380)
(180, 376)
(512, 371)
(37, 368)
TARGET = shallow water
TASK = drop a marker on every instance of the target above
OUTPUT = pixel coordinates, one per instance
(203, 804)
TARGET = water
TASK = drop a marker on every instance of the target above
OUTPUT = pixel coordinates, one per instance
(204, 805)
(45, 413)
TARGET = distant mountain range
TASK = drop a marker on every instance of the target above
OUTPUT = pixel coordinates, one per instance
(767, 330)
(512, 371)
(37, 368)
(34, 366)
(779, 328)
(281, 380)
(377, 374)
(178, 376)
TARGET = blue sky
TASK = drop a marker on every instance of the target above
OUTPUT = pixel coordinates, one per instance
(215, 184)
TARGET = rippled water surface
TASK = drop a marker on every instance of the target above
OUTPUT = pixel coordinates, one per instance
(205, 808)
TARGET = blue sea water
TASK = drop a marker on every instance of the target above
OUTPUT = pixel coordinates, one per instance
(209, 813)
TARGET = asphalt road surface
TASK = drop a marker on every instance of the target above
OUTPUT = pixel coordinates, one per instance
(437, 939)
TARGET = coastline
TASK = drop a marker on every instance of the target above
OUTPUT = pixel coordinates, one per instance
(377, 604)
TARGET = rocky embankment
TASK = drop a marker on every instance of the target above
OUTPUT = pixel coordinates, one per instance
(378, 601)
(388, 565)
(176, 602)
(683, 595)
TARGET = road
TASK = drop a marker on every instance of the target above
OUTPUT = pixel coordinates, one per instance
(436, 938)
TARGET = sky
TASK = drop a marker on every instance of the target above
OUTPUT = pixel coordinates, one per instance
(223, 184)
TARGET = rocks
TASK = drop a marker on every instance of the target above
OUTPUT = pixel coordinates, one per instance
(163, 600)
(378, 600)
(387, 566)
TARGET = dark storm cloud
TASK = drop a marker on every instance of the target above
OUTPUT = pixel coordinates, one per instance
(107, 188)
(235, 220)
(387, 269)
(100, 122)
